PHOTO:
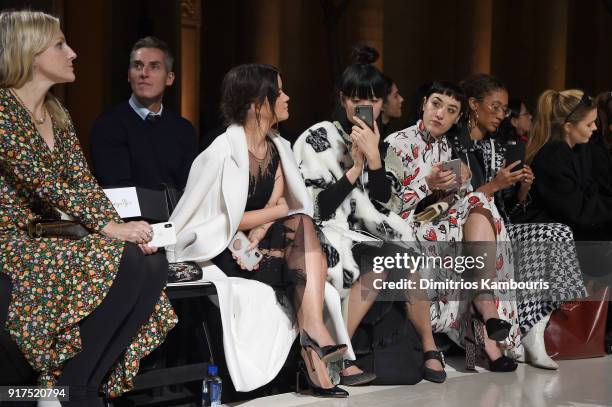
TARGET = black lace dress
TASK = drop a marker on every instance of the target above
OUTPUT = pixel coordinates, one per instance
(287, 243)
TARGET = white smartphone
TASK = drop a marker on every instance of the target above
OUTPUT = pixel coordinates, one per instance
(238, 245)
(164, 234)
(455, 167)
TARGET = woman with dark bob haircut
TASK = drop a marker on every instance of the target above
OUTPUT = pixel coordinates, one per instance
(342, 163)
(417, 163)
(247, 182)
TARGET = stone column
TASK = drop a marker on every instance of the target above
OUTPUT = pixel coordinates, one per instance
(266, 32)
(367, 18)
(87, 30)
(189, 51)
(551, 43)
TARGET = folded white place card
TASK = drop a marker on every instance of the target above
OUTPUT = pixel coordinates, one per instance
(125, 201)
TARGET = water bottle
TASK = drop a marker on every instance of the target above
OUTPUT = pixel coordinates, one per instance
(211, 388)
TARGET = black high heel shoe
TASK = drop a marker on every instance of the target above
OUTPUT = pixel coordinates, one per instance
(475, 352)
(497, 329)
(317, 391)
(329, 353)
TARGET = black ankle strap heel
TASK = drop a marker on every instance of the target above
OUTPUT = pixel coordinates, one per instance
(497, 329)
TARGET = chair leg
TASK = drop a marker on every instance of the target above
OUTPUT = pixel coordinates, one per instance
(207, 336)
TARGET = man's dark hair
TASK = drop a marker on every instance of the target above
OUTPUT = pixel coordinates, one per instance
(154, 42)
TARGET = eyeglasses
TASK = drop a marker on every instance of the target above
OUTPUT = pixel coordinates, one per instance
(585, 100)
(496, 109)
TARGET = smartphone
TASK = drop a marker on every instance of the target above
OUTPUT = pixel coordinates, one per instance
(164, 234)
(515, 151)
(365, 113)
(238, 245)
(455, 167)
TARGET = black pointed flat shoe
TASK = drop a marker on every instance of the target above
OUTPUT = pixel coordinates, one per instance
(431, 375)
(358, 379)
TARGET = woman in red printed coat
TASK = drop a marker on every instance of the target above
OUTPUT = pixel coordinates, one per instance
(416, 165)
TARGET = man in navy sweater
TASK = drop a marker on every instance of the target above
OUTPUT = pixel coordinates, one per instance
(140, 142)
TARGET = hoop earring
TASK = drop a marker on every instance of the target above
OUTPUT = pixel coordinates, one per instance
(472, 120)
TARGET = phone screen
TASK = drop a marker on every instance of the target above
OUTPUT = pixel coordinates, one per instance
(515, 152)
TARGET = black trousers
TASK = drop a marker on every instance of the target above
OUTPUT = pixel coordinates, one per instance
(110, 328)
(5, 297)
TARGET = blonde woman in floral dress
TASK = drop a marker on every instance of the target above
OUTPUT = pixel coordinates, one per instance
(83, 312)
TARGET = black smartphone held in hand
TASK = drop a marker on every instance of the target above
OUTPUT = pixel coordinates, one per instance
(365, 113)
(515, 151)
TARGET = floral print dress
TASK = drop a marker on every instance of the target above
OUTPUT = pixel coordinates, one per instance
(411, 154)
(58, 282)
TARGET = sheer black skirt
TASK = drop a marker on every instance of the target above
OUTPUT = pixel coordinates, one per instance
(285, 248)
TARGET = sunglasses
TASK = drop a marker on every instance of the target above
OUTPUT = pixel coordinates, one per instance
(585, 100)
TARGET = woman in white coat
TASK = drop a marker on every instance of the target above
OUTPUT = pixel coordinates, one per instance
(258, 191)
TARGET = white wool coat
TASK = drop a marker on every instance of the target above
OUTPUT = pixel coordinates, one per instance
(257, 331)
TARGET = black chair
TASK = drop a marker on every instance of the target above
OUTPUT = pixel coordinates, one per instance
(162, 385)
(15, 368)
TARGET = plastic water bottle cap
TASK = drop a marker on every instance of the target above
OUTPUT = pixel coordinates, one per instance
(212, 370)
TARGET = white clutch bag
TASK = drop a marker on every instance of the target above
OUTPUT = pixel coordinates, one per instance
(432, 212)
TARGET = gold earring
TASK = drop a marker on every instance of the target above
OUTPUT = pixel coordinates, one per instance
(473, 119)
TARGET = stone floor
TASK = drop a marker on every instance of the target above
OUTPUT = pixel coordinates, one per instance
(578, 383)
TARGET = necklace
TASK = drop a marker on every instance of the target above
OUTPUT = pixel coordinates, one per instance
(257, 158)
(36, 120)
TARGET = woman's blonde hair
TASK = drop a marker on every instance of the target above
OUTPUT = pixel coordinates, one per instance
(553, 111)
(24, 35)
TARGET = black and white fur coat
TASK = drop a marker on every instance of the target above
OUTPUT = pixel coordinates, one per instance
(323, 153)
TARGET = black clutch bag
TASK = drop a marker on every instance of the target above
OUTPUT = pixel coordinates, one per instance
(184, 272)
(63, 229)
